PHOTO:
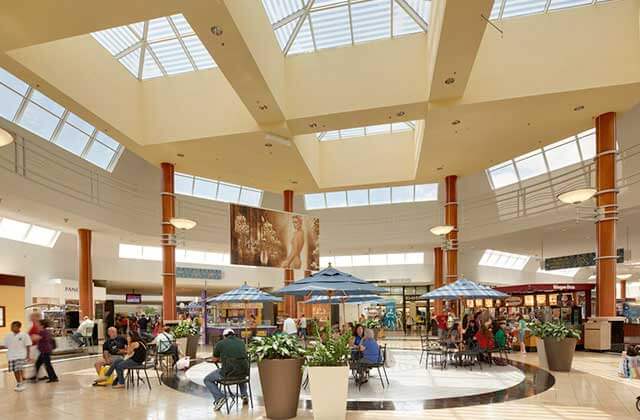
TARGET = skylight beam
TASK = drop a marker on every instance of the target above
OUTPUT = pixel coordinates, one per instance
(353, 41)
(145, 31)
(413, 14)
(182, 44)
(299, 24)
(156, 59)
(129, 49)
(288, 19)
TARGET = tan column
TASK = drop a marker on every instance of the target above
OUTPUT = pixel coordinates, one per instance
(289, 301)
(607, 203)
(85, 276)
(437, 275)
(168, 244)
(451, 219)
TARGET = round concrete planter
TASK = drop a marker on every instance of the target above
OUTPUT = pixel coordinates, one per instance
(329, 386)
(559, 353)
(280, 380)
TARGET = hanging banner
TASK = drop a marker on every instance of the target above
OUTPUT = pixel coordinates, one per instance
(268, 238)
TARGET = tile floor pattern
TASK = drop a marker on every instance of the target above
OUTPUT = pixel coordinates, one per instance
(591, 391)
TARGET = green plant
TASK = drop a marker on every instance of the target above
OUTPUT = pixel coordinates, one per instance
(186, 328)
(277, 346)
(331, 349)
(371, 323)
(557, 330)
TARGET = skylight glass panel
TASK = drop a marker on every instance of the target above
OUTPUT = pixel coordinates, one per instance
(303, 41)
(330, 135)
(72, 139)
(503, 176)
(565, 272)
(403, 194)
(371, 20)
(587, 141)
(561, 154)
(80, 124)
(499, 259)
(152, 253)
(331, 27)
(38, 120)
(41, 236)
(9, 103)
(401, 127)
(352, 132)
(129, 251)
(100, 155)
(336, 199)
(378, 259)
(284, 33)
(495, 10)
(561, 4)
(279, 9)
(414, 258)
(343, 261)
(403, 24)
(12, 82)
(531, 164)
(314, 201)
(378, 129)
(162, 46)
(426, 192)
(228, 192)
(523, 7)
(358, 198)
(46, 103)
(369, 130)
(380, 195)
(395, 259)
(183, 184)
(12, 229)
(107, 141)
(205, 188)
(360, 260)
(325, 261)
(250, 197)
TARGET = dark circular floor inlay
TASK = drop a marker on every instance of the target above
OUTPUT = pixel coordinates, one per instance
(536, 381)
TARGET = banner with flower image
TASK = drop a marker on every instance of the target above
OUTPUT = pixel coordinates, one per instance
(269, 238)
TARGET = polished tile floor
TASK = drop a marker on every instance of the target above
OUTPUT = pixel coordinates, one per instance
(591, 391)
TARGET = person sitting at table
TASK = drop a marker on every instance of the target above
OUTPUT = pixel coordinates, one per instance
(484, 337)
(356, 340)
(453, 336)
(166, 344)
(113, 349)
(369, 347)
(136, 355)
(500, 336)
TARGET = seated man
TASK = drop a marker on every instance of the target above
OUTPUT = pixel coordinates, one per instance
(231, 352)
(370, 348)
(113, 349)
(84, 332)
(166, 344)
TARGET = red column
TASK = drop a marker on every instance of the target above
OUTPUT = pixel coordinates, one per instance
(85, 276)
(607, 203)
(437, 275)
(289, 301)
(168, 244)
(451, 219)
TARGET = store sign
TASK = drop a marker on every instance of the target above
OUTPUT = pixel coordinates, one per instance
(513, 301)
(564, 287)
(198, 273)
(579, 260)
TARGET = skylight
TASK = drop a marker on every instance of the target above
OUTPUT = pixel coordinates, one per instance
(158, 47)
(190, 256)
(499, 259)
(32, 110)
(569, 151)
(28, 233)
(408, 258)
(310, 25)
(370, 130)
(217, 190)
(503, 9)
(372, 196)
(565, 272)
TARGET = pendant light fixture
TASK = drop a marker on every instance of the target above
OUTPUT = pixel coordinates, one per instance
(6, 138)
(577, 196)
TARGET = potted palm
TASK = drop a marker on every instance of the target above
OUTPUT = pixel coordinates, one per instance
(187, 334)
(280, 358)
(329, 374)
(556, 344)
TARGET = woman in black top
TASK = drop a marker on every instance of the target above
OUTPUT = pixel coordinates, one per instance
(136, 355)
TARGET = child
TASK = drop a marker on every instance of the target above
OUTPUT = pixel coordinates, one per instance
(17, 344)
(629, 364)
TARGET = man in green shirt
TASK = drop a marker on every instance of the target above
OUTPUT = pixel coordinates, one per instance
(500, 336)
(232, 354)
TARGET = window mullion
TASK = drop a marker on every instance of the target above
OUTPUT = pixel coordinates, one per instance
(353, 41)
(23, 105)
(58, 129)
(87, 147)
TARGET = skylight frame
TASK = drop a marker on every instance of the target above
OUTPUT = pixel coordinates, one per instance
(183, 180)
(373, 260)
(184, 256)
(134, 53)
(548, 6)
(366, 131)
(505, 260)
(319, 201)
(25, 234)
(31, 98)
(296, 16)
(585, 152)
(563, 272)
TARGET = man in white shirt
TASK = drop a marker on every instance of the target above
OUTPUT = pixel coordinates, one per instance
(17, 344)
(84, 331)
(166, 344)
(289, 326)
(303, 327)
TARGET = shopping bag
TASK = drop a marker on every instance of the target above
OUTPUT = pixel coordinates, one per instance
(183, 363)
(110, 379)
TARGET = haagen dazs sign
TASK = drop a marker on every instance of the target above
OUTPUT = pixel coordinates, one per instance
(513, 301)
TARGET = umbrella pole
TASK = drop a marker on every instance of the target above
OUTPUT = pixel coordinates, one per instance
(246, 319)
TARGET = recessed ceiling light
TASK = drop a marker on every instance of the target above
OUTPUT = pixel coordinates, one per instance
(579, 108)
(455, 122)
(268, 145)
(216, 30)
(294, 182)
(180, 155)
(5, 137)
(263, 107)
(449, 81)
(313, 125)
(400, 114)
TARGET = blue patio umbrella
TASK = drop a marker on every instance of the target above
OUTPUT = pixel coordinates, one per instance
(464, 289)
(330, 282)
(244, 294)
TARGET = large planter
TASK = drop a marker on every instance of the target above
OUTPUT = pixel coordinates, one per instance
(192, 346)
(280, 381)
(542, 354)
(559, 353)
(329, 386)
(182, 345)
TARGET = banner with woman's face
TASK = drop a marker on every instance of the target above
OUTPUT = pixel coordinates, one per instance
(269, 238)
